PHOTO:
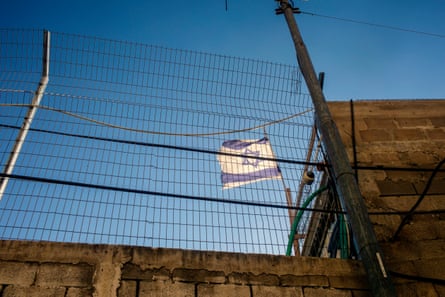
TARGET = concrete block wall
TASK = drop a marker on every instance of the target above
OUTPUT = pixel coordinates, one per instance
(406, 134)
(45, 279)
(62, 269)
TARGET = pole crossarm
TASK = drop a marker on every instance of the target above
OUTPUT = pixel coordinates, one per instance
(346, 185)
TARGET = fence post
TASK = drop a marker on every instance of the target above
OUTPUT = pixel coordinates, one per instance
(44, 78)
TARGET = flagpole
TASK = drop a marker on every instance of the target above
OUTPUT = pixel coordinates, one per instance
(287, 192)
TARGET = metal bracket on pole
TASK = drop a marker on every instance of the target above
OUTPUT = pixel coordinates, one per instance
(9, 167)
(344, 179)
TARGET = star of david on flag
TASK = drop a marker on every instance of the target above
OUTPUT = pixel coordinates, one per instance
(247, 166)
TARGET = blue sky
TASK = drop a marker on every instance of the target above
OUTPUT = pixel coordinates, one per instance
(360, 61)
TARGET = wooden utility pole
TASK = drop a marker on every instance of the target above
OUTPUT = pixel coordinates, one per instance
(342, 174)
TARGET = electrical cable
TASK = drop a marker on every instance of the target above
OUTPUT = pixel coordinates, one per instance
(438, 211)
(422, 196)
(418, 278)
(373, 24)
(389, 168)
(199, 198)
(166, 146)
(80, 117)
(163, 194)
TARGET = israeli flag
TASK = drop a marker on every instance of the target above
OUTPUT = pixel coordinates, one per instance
(247, 167)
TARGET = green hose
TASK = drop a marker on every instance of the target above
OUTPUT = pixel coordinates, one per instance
(298, 218)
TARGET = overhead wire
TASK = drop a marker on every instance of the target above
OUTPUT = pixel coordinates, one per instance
(163, 194)
(166, 146)
(374, 24)
(192, 197)
(120, 189)
(102, 123)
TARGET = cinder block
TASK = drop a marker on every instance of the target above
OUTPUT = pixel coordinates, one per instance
(404, 203)
(272, 291)
(205, 290)
(17, 291)
(379, 123)
(426, 289)
(304, 280)
(406, 290)
(419, 157)
(81, 292)
(166, 289)
(438, 122)
(16, 273)
(440, 226)
(399, 251)
(440, 289)
(317, 292)
(376, 135)
(383, 157)
(198, 275)
(409, 134)
(437, 187)
(395, 188)
(411, 122)
(252, 279)
(342, 282)
(421, 230)
(433, 268)
(127, 289)
(436, 134)
(57, 275)
(131, 271)
(360, 293)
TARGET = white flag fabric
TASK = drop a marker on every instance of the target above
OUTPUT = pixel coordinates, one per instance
(245, 168)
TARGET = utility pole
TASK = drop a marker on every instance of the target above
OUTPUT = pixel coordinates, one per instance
(346, 185)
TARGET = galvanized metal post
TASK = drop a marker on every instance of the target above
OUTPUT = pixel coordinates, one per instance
(44, 78)
(346, 184)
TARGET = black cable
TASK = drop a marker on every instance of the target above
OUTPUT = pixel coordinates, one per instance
(389, 168)
(373, 24)
(202, 198)
(166, 146)
(146, 192)
(418, 278)
(419, 212)
(422, 196)
(181, 196)
(320, 165)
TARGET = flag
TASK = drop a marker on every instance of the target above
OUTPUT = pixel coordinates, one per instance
(246, 167)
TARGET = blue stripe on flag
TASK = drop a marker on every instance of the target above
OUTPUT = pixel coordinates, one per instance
(240, 144)
(265, 173)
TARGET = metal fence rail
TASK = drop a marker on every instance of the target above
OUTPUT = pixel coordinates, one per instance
(123, 147)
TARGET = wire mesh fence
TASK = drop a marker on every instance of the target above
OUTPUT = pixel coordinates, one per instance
(125, 143)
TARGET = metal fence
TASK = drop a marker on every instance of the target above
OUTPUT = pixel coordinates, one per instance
(123, 147)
